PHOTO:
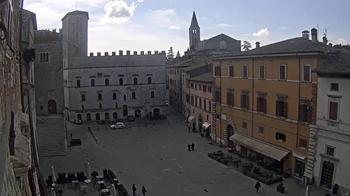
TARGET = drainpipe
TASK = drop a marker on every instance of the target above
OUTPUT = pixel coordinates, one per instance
(253, 93)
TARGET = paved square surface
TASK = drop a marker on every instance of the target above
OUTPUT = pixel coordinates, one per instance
(155, 155)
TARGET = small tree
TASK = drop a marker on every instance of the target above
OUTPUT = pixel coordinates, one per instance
(178, 54)
(170, 54)
(246, 45)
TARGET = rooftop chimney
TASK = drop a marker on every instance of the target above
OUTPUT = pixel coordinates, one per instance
(120, 53)
(306, 34)
(135, 52)
(98, 53)
(325, 40)
(128, 52)
(91, 54)
(314, 35)
(257, 44)
(113, 53)
(106, 53)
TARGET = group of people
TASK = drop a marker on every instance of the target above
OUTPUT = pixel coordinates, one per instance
(190, 147)
(143, 190)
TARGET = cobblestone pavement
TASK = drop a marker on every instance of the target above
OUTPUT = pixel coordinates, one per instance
(155, 155)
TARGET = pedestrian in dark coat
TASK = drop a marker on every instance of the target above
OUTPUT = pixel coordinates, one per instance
(133, 190)
(257, 186)
(192, 146)
(144, 191)
(189, 147)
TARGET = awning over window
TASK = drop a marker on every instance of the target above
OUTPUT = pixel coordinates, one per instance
(260, 147)
(206, 125)
(190, 119)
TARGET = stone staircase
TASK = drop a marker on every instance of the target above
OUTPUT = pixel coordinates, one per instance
(311, 153)
(51, 136)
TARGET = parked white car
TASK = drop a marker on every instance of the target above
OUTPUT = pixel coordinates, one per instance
(118, 125)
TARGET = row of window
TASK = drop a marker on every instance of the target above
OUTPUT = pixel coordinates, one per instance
(306, 72)
(279, 136)
(305, 112)
(199, 102)
(98, 116)
(114, 96)
(99, 106)
(121, 81)
(201, 87)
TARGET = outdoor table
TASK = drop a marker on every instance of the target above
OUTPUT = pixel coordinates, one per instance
(105, 192)
(75, 183)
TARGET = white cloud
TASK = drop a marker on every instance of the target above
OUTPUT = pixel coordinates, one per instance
(166, 18)
(225, 25)
(341, 41)
(262, 33)
(119, 10)
(173, 27)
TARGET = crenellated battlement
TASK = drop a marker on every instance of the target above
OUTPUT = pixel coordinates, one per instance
(128, 53)
(48, 35)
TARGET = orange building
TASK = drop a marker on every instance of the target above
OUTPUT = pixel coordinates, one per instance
(199, 103)
(265, 100)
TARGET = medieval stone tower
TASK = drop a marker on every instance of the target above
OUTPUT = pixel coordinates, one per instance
(75, 35)
(194, 33)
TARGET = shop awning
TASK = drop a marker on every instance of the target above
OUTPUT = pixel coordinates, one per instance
(190, 119)
(260, 147)
(206, 125)
(298, 156)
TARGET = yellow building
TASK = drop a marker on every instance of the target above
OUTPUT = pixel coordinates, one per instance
(265, 100)
(199, 103)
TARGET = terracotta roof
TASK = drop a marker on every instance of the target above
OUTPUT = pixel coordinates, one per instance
(206, 77)
(289, 46)
(335, 63)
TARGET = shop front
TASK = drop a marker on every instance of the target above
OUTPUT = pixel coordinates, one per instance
(262, 153)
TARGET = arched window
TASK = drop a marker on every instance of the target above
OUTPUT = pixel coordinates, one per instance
(152, 94)
(97, 116)
(92, 81)
(135, 80)
(106, 81)
(133, 95)
(121, 81)
(114, 96)
(149, 80)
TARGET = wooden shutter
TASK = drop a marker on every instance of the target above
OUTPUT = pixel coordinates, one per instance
(333, 110)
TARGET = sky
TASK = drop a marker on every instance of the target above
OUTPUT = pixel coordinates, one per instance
(158, 24)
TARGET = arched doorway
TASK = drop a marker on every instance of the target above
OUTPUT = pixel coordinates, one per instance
(327, 174)
(156, 113)
(229, 133)
(137, 113)
(115, 116)
(125, 110)
(51, 107)
(200, 123)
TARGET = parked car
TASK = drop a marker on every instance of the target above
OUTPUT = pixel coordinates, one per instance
(118, 125)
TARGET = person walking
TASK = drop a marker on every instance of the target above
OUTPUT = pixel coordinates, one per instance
(144, 191)
(133, 190)
(189, 147)
(257, 186)
(192, 146)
